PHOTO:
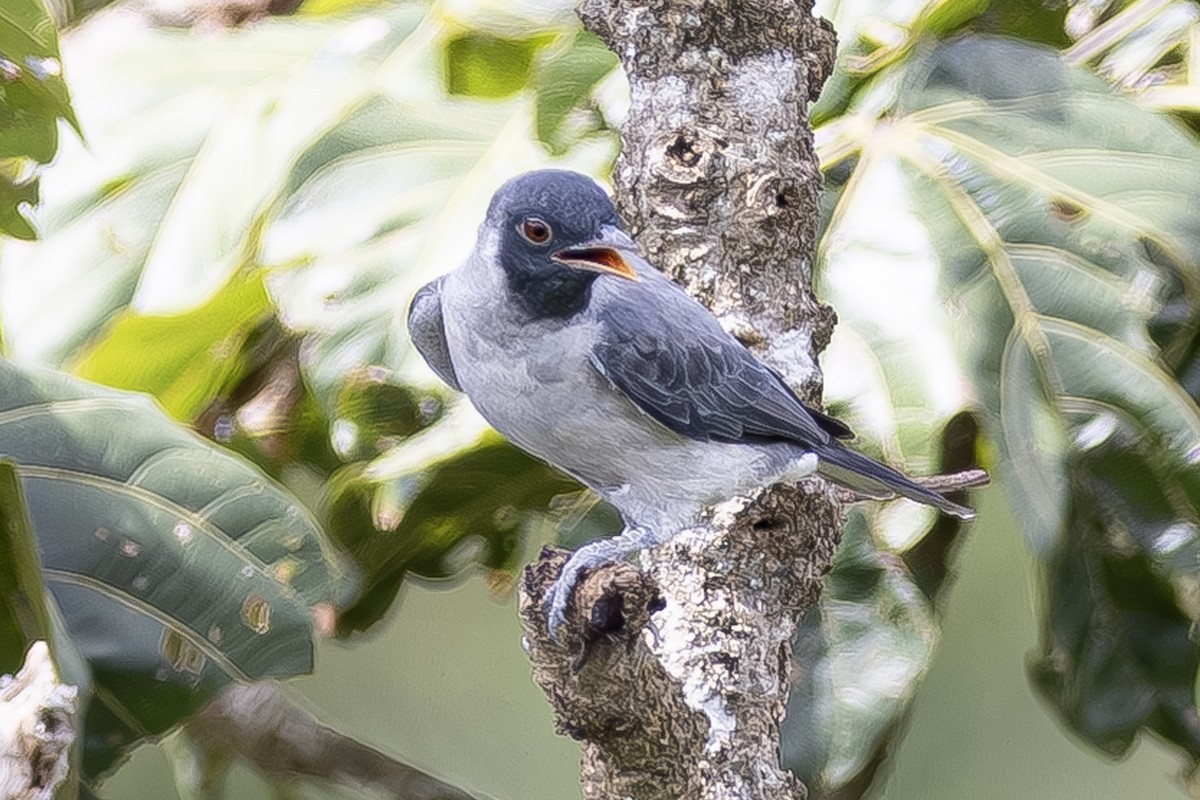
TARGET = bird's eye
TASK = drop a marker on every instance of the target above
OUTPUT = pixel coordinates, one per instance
(535, 230)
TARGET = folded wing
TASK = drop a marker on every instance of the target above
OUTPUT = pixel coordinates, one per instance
(428, 333)
(676, 363)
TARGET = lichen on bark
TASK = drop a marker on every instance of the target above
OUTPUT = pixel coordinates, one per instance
(719, 184)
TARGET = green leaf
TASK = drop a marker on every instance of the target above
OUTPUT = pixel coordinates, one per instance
(1118, 654)
(28, 614)
(565, 81)
(864, 647)
(184, 360)
(24, 612)
(16, 195)
(1123, 591)
(437, 518)
(24, 609)
(484, 65)
(185, 160)
(178, 567)
(29, 45)
(33, 97)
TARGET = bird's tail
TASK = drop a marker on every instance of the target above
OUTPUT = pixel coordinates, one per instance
(868, 477)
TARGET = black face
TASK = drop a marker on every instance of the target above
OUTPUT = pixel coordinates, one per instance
(540, 215)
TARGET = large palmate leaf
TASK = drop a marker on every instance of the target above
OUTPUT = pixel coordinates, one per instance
(33, 97)
(1063, 218)
(178, 567)
(1039, 187)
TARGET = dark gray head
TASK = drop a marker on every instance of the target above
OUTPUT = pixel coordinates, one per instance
(558, 233)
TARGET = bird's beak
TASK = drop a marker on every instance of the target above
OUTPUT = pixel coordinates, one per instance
(611, 253)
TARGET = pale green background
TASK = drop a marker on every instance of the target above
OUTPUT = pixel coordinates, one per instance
(445, 684)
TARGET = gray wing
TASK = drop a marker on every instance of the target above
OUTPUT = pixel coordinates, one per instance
(672, 358)
(427, 332)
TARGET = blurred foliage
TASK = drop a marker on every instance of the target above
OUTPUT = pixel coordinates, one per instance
(871, 635)
(1149, 46)
(33, 97)
(257, 204)
(26, 615)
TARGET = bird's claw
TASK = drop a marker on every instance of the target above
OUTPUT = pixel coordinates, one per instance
(559, 596)
(590, 556)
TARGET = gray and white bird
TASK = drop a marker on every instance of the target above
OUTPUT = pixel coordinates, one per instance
(583, 354)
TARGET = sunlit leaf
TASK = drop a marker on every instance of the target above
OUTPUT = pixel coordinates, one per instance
(33, 97)
(565, 81)
(178, 567)
(166, 202)
(483, 65)
(184, 360)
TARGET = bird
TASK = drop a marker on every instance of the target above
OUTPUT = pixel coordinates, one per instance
(583, 354)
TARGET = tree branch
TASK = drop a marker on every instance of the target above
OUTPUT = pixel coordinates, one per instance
(260, 723)
(719, 183)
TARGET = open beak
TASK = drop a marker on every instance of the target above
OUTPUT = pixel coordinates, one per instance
(611, 253)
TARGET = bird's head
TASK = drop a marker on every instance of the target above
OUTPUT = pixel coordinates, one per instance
(558, 232)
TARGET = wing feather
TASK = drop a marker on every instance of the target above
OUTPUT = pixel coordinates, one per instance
(672, 359)
(428, 333)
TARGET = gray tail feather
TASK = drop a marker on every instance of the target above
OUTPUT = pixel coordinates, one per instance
(868, 477)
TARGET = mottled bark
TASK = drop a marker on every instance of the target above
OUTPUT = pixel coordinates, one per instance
(38, 714)
(719, 183)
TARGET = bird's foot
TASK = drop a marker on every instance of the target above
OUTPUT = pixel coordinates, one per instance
(589, 557)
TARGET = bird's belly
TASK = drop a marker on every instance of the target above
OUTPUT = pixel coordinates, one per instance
(571, 418)
(576, 421)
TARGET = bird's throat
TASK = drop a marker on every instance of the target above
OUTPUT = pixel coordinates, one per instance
(560, 294)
